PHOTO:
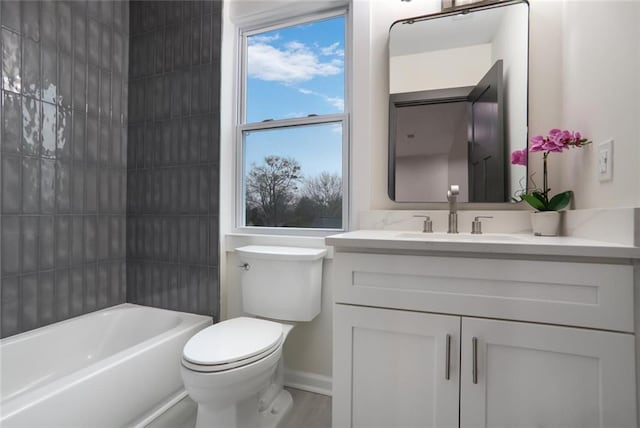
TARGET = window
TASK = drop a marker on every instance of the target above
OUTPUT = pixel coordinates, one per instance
(292, 131)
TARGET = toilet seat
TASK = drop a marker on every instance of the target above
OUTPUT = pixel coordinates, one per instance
(231, 344)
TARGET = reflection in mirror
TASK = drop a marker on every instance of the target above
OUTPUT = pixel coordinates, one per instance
(458, 104)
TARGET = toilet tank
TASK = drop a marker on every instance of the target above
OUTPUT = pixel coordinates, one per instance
(281, 283)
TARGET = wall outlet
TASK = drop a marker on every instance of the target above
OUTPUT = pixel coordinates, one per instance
(605, 160)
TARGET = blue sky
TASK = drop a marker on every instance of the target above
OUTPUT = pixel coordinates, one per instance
(317, 148)
(294, 72)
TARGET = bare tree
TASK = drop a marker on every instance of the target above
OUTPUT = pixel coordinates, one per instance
(326, 191)
(271, 190)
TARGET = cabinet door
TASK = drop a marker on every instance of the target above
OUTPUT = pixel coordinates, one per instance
(531, 375)
(390, 368)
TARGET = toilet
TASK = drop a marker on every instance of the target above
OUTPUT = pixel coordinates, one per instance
(233, 370)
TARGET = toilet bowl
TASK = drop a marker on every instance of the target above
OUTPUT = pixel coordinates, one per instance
(233, 370)
(227, 370)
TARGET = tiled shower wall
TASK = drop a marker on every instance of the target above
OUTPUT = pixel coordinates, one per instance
(63, 169)
(172, 198)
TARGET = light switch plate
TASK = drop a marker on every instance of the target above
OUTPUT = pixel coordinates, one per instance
(605, 161)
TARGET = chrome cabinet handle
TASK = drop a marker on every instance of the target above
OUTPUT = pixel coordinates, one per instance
(474, 373)
(447, 364)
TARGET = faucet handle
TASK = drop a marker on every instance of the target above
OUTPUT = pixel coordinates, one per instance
(476, 224)
(427, 225)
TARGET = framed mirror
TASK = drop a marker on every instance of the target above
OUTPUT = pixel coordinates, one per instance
(458, 103)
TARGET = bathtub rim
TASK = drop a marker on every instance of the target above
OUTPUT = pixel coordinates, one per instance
(22, 402)
(21, 336)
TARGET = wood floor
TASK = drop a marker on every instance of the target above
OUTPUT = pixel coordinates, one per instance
(309, 411)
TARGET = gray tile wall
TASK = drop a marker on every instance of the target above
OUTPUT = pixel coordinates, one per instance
(63, 159)
(172, 197)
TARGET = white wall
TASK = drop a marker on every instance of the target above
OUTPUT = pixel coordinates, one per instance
(447, 68)
(600, 87)
(584, 71)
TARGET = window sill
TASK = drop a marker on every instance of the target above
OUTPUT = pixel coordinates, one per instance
(235, 240)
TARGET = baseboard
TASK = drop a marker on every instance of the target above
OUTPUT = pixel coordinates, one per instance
(308, 381)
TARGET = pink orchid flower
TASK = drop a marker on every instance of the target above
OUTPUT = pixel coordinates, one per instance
(519, 157)
(557, 141)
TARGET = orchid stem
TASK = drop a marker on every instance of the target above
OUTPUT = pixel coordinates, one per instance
(545, 185)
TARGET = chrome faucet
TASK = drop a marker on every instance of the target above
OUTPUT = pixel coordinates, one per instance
(453, 191)
(427, 225)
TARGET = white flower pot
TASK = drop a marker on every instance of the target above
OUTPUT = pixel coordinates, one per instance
(545, 223)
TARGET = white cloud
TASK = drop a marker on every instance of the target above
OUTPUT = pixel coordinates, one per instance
(337, 102)
(292, 64)
(337, 129)
(332, 50)
(263, 39)
(295, 114)
(296, 46)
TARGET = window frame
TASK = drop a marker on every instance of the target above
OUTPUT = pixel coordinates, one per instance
(242, 126)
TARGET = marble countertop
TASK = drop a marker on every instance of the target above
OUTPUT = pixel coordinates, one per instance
(492, 243)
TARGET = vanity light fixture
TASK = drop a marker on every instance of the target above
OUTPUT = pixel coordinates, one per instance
(456, 4)
(463, 14)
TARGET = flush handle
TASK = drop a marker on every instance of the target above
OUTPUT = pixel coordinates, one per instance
(245, 266)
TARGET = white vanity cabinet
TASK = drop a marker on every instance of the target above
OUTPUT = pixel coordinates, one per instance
(423, 341)
(392, 368)
(532, 375)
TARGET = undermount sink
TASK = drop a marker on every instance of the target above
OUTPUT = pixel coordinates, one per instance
(458, 237)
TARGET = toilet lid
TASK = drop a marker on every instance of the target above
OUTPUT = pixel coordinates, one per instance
(232, 340)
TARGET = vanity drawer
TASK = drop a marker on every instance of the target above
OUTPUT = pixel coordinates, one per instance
(566, 293)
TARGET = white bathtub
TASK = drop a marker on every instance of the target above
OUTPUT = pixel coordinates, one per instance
(103, 369)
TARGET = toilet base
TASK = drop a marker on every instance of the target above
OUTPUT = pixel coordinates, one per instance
(244, 414)
(278, 412)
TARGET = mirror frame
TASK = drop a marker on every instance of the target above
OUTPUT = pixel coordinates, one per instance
(403, 99)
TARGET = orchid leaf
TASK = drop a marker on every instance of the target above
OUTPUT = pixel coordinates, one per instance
(560, 200)
(541, 197)
(535, 202)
